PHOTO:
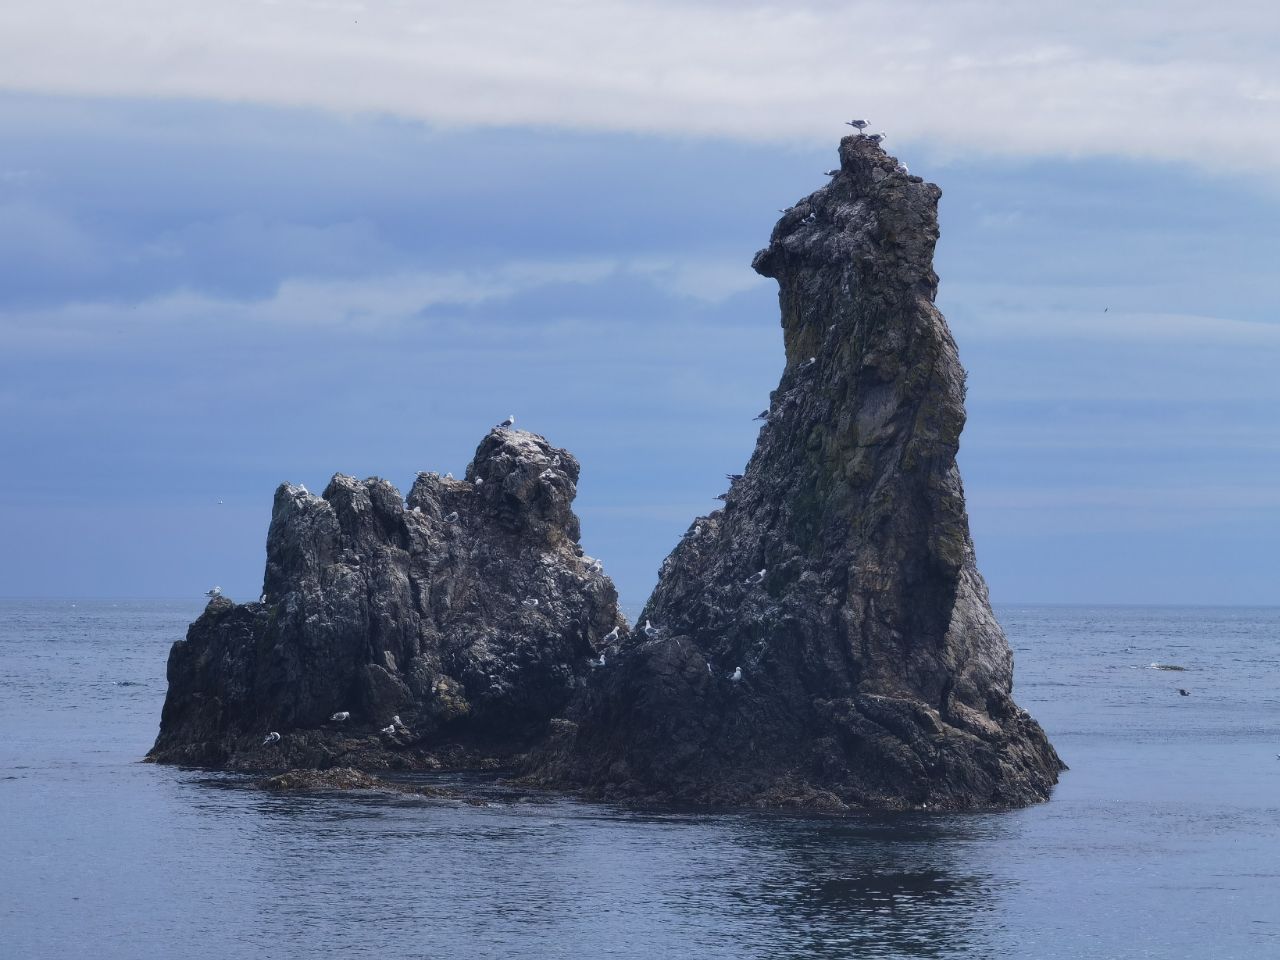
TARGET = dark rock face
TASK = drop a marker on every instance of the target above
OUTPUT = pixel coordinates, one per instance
(838, 584)
(451, 628)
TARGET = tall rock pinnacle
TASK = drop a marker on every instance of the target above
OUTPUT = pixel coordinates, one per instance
(825, 639)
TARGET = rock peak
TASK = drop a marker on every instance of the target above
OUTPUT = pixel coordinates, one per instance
(826, 639)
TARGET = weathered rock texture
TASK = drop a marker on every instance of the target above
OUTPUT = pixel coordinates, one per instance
(873, 673)
(469, 613)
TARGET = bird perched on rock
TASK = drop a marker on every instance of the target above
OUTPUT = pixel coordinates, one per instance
(388, 729)
(452, 518)
(612, 635)
(271, 737)
(829, 173)
(479, 481)
(733, 477)
(530, 602)
(650, 630)
(875, 137)
(858, 125)
(395, 721)
(762, 415)
(736, 676)
(597, 663)
(448, 476)
(755, 577)
(508, 423)
(808, 363)
(1185, 693)
(341, 715)
(213, 592)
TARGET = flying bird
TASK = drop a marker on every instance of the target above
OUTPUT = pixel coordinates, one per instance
(271, 737)
(341, 715)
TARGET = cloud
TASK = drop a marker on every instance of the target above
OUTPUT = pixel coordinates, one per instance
(1167, 79)
(366, 303)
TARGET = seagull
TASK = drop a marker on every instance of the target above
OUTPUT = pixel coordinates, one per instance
(303, 488)
(220, 500)
(341, 715)
(530, 602)
(448, 476)
(612, 635)
(598, 663)
(733, 477)
(263, 598)
(876, 137)
(808, 363)
(452, 518)
(417, 509)
(395, 721)
(829, 173)
(858, 125)
(755, 577)
(762, 415)
(215, 592)
(722, 496)
(389, 729)
(1185, 693)
(479, 481)
(736, 676)
(507, 424)
(272, 737)
(650, 630)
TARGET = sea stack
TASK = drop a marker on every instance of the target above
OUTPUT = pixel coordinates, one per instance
(452, 628)
(825, 640)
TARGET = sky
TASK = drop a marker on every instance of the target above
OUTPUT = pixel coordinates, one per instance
(249, 242)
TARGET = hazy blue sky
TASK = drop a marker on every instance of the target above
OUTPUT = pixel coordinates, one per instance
(224, 264)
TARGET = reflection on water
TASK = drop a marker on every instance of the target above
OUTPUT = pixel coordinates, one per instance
(552, 877)
(1162, 841)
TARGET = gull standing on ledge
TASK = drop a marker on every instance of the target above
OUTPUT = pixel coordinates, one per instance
(215, 592)
(612, 635)
(650, 630)
(272, 737)
(736, 676)
(858, 125)
(507, 424)
(341, 715)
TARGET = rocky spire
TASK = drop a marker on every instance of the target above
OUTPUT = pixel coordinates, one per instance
(825, 639)
(451, 627)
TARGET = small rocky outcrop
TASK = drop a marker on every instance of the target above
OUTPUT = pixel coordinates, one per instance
(344, 778)
(450, 628)
(825, 640)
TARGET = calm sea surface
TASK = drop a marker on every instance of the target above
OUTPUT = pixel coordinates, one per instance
(1162, 841)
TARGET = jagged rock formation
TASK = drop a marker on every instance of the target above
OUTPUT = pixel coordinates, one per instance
(468, 613)
(825, 640)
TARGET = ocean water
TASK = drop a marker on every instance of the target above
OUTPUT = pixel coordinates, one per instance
(1163, 840)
